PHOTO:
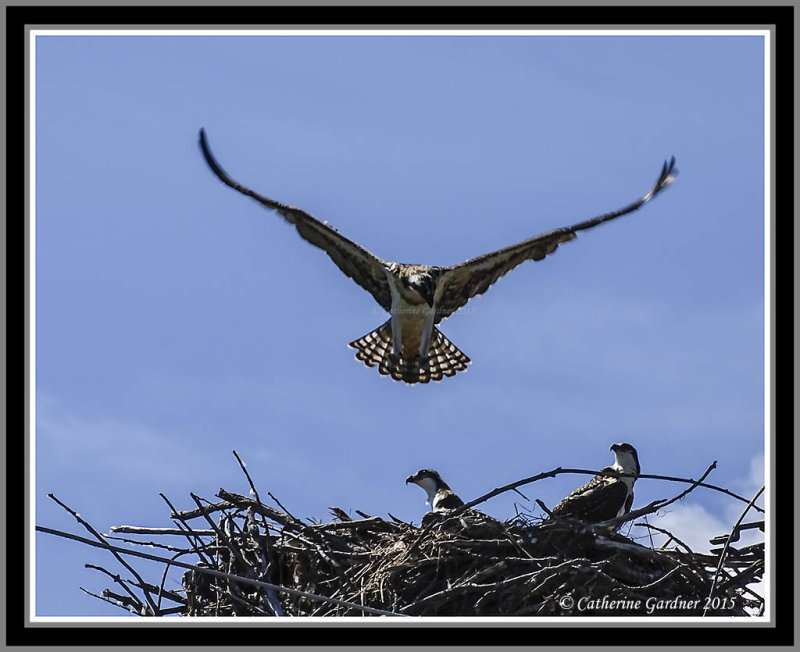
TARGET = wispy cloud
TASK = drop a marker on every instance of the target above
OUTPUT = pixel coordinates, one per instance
(133, 449)
(695, 524)
(78, 450)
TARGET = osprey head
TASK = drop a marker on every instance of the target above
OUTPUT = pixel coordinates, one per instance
(429, 480)
(626, 457)
(422, 475)
(421, 283)
(440, 497)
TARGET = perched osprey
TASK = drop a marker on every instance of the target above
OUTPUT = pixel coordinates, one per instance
(408, 346)
(604, 497)
(440, 497)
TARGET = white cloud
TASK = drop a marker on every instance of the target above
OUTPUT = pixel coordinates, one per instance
(693, 524)
(755, 478)
(68, 440)
(78, 451)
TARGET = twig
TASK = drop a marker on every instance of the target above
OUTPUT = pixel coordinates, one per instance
(725, 549)
(559, 470)
(669, 534)
(151, 544)
(252, 485)
(133, 600)
(100, 538)
(743, 526)
(210, 508)
(171, 595)
(210, 571)
(747, 574)
(121, 601)
(374, 523)
(262, 549)
(192, 536)
(286, 511)
(160, 531)
(521, 494)
(237, 500)
(514, 485)
(656, 504)
(221, 535)
(311, 530)
(287, 520)
(695, 483)
(395, 519)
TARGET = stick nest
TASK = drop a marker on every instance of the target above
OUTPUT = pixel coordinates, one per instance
(465, 565)
(241, 557)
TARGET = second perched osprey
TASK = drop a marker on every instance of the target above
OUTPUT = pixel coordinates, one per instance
(408, 346)
(440, 497)
(604, 497)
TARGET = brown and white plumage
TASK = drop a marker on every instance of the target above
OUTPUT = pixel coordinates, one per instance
(604, 497)
(444, 358)
(408, 347)
(441, 497)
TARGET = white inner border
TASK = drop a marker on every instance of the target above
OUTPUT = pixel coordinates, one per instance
(376, 621)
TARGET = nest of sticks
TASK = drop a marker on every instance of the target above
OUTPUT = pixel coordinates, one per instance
(241, 557)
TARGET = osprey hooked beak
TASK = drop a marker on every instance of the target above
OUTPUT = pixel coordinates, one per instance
(424, 474)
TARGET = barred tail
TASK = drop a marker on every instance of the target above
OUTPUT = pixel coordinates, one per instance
(444, 358)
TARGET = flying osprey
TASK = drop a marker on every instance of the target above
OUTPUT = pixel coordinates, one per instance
(440, 497)
(604, 497)
(408, 346)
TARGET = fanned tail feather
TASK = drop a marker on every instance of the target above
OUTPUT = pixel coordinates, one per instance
(444, 358)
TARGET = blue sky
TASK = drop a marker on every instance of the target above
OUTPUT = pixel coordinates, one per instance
(177, 320)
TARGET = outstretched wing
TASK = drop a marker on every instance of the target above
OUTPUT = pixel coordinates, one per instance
(459, 283)
(356, 262)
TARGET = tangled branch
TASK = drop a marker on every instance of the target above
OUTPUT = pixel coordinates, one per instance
(251, 559)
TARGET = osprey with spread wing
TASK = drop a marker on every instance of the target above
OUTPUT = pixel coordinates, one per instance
(408, 346)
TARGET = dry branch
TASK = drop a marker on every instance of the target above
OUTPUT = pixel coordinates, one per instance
(258, 560)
